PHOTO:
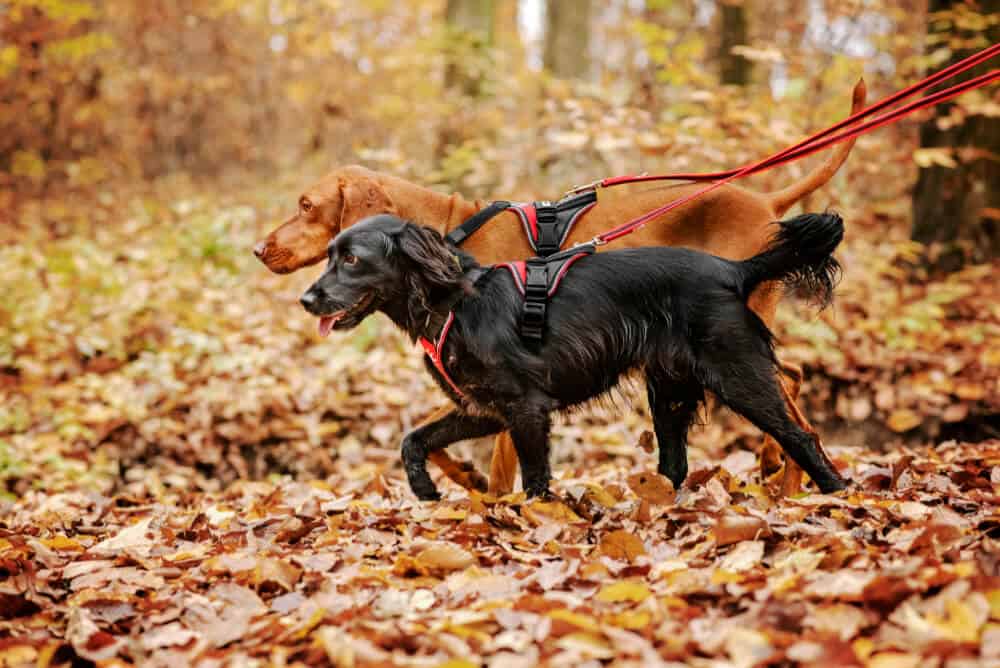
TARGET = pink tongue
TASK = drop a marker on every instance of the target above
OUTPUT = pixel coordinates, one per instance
(327, 322)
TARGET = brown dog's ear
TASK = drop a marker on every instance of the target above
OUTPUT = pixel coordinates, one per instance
(428, 251)
(360, 197)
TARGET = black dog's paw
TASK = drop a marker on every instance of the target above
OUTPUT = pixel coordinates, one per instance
(540, 492)
(832, 485)
(425, 493)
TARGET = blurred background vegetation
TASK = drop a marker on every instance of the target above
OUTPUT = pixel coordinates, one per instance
(145, 146)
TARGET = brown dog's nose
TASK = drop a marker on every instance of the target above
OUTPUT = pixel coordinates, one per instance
(260, 249)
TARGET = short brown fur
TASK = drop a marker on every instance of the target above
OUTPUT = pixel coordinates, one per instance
(731, 222)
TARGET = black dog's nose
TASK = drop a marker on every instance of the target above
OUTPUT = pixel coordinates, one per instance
(308, 300)
(260, 249)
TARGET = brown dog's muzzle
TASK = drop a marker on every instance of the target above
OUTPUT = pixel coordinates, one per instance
(275, 258)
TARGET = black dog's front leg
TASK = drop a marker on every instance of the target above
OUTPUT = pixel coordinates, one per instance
(530, 424)
(455, 426)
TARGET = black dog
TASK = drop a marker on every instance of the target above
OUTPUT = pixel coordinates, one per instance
(678, 315)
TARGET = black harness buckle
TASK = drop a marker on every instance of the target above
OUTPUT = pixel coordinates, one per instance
(536, 293)
(547, 218)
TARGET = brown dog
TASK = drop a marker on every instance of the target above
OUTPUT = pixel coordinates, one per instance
(730, 222)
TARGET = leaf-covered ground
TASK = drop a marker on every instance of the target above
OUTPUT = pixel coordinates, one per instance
(351, 570)
(190, 474)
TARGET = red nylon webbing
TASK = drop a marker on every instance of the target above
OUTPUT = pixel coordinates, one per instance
(803, 149)
(790, 154)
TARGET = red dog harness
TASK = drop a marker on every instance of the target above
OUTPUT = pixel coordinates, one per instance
(547, 225)
(433, 351)
(537, 280)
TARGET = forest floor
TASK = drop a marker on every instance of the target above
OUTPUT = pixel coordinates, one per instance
(190, 475)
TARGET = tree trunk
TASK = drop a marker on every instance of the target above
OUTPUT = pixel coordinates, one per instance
(957, 209)
(470, 33)
(567, 38)
(471, 22)
(734, 69)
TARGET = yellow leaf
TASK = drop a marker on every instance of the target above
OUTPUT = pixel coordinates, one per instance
(309, 625)
(458, 663)
(446, 513)
(863, 647)
(621, 545)
(62, 543)
(993, 596)
(632, 620)
(903, 419)
(720, 576)
(961, 624)
(893, 660)
(598, 494)
(576, 619)
(626, 590)
(540, 512)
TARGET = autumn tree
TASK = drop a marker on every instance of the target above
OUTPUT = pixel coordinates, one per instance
(734, 69)
(567, 38)
(956, 202)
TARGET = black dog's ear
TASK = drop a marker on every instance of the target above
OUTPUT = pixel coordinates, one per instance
(429, 252)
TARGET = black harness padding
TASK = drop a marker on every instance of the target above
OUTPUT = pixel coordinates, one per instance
(538, 279)
(555, 220)
(546, 224)
(475, 221)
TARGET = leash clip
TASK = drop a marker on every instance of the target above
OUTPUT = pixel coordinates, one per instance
(596, 241)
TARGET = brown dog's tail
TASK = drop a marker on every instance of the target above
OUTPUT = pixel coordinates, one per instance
(783, 200)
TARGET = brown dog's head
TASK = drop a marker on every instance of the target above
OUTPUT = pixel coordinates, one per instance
(340, 199)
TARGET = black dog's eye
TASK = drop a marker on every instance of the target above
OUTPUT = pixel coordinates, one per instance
(306, 206)
(350, 259)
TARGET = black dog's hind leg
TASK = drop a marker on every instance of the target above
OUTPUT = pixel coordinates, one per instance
(530, 421)
(747, 383)
(455, 426)
(673, 404)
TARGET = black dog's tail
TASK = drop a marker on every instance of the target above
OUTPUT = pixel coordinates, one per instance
(800, 256)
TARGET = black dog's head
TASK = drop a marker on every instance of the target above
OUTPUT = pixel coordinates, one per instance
(382, 263)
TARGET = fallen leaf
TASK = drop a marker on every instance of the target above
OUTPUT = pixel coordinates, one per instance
(622, 545)
(652, 487)
(132, 539)
(445, 557)
(634, 591)
(732, 528)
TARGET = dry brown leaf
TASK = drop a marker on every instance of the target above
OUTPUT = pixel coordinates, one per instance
(622, 545)
(444, 558)
(732, 528)
(652, 487)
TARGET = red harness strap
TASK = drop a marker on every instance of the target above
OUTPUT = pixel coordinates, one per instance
(433, 351)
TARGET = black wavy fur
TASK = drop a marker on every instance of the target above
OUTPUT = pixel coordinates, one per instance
(800, 256)
(676, 315)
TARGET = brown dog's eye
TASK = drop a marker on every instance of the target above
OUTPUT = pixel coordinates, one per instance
(350, 259)
(306, 206)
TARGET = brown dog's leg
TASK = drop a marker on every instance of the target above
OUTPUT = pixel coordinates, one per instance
(790, 381)
(790, 386)
(463, 473)
(503, 467)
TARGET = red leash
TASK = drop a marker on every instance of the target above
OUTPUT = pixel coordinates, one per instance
(789, 154)
(821, 140)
